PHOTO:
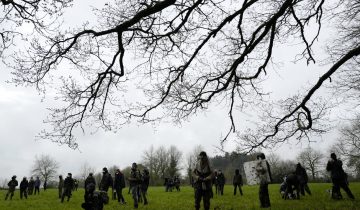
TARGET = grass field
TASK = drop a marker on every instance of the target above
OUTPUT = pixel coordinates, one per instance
(159, 199)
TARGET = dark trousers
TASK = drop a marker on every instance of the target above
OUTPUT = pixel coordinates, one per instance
(37, 189)
(23, 192)
(240, 190)
(67, 193)
(205, 195)
(10, 192)
(340, 183)
(135, 194)
(264, 196)
(119, 195)
(60, 189)
(304, 187)
(30, 190)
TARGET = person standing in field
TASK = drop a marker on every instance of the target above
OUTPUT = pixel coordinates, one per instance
(12, 185)
(31, 186)
(135, 184)
(221, 182)
(68, 187)
(60, 186)
(303, 179)
(119, 184)
(106, 180)
(145, 181)
(203, 175)
(24, 184)
(237, 181)
(37, 184)
(264, 175)
(338, 177)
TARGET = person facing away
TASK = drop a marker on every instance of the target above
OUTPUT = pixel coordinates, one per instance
(37, 184)
(31, 186)
(177, 183)
(202, 175)
(338, 177)
(106, 180)
(68, 187)
(45, 185)
(24, 184)
(237, 181)
(12, 185)
(292, 183)
(60, 186)
(135, 184)
(119, 184)
(303, 179)
(264, 175)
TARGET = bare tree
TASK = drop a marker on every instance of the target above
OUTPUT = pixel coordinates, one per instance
(348, 145)
(312, 160)
(85, 170)
(40, 16)
(45, 167)
(188, 55)
(175, 156)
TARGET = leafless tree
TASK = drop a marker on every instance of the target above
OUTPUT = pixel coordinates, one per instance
(175, 156)
(85, 170)
(311, 160)
(348, 145)
(38, 17)
(45, 167)
(188, 55)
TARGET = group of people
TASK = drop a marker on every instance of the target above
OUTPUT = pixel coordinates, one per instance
(26, 187)
(171, 183)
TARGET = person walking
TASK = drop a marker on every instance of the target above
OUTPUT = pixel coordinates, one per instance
(338, 177)
(203, 175)
(119, 184)
(60, 186)
(37, 184)
(12, 185)
(68, 187)
(264, 175)
(237, 181)
(135, 184)
(303, 179)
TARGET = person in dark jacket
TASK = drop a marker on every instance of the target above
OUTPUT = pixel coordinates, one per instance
(338, 177)
(135, 184)
(31, 186)
(145, 181)
(264, 175)
(12, 185)
(106, 180)
(94, 200)
(237, 181)
(45, 185)
(24, 184)
(292, 183)
(68, 187)
(60, 186)
(119, 184)
(221, 182)
(303, 179)
(89, 180)
(203, 175)
(37, 184)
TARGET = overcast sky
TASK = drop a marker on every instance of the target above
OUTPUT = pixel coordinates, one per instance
(22, 114)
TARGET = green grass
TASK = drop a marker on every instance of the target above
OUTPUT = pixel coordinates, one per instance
(158, 199)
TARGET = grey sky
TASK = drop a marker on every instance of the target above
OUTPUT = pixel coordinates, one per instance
(22, 113)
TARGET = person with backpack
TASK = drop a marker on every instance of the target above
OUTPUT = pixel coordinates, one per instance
(338, 177)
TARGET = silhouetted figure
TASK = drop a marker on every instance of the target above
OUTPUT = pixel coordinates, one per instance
(68, 187)
(177, 183)
(292, 187)
(12, 185)
(45, 185)
(106, 180)
(31, 186)
(303, 179)
(24, 184)
(60, 186)
(145, 181)
(237, 181)
(37, 185)
(94, 200)
(135, 184)
(338, 177)
(203, 175)
(264, 174)
(119, 185)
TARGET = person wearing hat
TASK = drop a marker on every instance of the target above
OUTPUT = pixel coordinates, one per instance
(203, 175)
(60, 185)
(24, 184)
(12, 185)
(338, 177)
(106, 180)
(68, 186)
(119, 184)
